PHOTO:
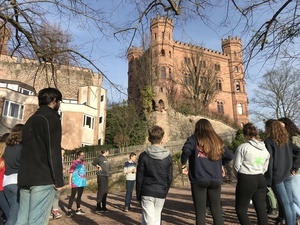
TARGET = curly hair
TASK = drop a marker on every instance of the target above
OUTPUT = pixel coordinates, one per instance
(290, 126)
(15, 136)
(249, 130)
(208, 140)
(268, 126)
(278, 133)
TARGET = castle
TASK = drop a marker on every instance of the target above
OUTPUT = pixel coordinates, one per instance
(179, 71)
(82, 110)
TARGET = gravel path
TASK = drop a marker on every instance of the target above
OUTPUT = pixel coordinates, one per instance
(178, 209)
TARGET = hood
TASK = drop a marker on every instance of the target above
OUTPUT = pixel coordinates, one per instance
(157, 152)
(257, 144)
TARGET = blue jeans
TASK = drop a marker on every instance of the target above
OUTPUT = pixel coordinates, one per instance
(296, 193)
(12, 195)
(35, 205)
(129, 190)
(4, 204)
(284, 194)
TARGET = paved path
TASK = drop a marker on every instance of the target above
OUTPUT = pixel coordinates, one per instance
(178, 209)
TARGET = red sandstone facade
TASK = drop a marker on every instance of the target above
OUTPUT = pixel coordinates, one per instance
(161, 66)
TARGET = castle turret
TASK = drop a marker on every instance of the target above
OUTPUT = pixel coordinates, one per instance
(232, 46)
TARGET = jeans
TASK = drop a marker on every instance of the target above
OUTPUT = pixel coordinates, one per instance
(35, 205)
(296, 193)
(56, 200)
(212, 190)
(251, 187)
(4, 204)
(129, 190)
(151, 210)
(284, 194)
(102, 190)
(12, 195)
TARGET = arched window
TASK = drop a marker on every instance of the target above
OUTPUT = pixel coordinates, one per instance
(240, 109)
(163, 72)
(220, 107)
(219, 84)
(236, 69)
(163, 52)
(170, 73)
(170, 54)
(237, 86)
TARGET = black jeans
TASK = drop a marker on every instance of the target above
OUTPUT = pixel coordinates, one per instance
(102, 190)
(212, 191)
(251, 187)
(79, 191)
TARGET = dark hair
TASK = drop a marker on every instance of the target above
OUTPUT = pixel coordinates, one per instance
(15, 136)
(4, 137)
(208, 140)
(131, 154)
(47, 95)
(250, 130)
(290, 126)
(103, 151)
(155, 134)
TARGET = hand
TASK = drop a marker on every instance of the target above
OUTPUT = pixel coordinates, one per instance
(58, 188)
(223, 172)
(99, 168)
(185, 171)
(133, 170)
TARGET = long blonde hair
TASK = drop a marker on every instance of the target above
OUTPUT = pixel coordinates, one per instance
(2, 148)
(278, 133)
(208, 140)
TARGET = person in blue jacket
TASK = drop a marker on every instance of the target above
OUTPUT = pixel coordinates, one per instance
(206, 154)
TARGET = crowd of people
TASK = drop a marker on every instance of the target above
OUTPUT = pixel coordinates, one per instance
(31, 171)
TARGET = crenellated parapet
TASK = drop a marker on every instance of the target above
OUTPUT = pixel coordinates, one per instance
(134, 53)
(161, 19)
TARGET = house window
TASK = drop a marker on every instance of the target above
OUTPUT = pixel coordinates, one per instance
(163, 72)
(220, 107)
(163, 52)
(12, 109)
(240, 109)
(219, 85)
(102, 98)
(88, 121)
(237, 86)
(100, 119)
(25, 91)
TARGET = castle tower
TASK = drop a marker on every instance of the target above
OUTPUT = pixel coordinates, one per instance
(162, 51)
(232, 46)
(4, 37)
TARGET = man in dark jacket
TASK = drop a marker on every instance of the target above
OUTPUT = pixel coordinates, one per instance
(41, 171)
(154, 177)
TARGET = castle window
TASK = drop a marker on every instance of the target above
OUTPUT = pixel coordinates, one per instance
(236, 69)
(220, 107)
(235, 55)
(102, 98)
(161, 89)
(240, 109)
(163, 72)
(203, 64)
(169, 36)
(170, 54)
(187, 78)
(170, 73)
(88, 121)
(187, 60)
(163, 53)
(154, 36)
(237, 86)
(219, 85)
(12, 109)
(100, 119)
(217, 67)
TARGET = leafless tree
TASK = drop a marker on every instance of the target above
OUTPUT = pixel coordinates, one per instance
(198, 80)
(278, 95)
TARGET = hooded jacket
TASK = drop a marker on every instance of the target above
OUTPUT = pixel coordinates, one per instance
(283, 159)
(200, 167)
(251, 158)
(102, 161)
(41, 160)
(154, 172)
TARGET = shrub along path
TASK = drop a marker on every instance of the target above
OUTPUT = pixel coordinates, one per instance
(178, 209)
